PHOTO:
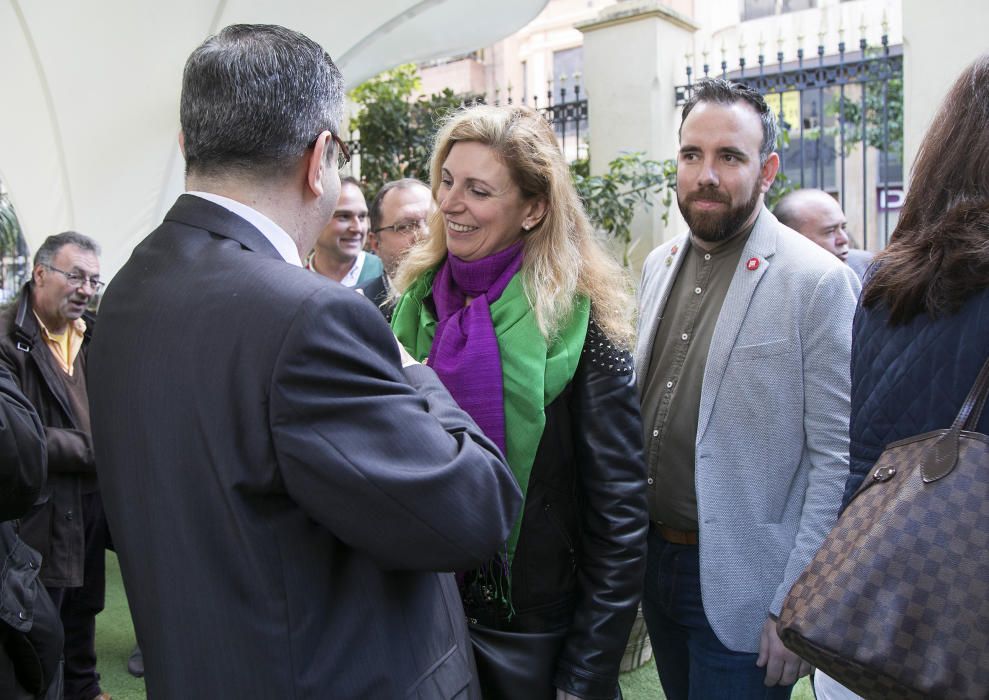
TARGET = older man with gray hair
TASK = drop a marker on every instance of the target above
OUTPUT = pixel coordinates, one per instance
(44, 342)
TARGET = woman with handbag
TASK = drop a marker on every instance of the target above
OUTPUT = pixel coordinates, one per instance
(920, 339)
(526, 320)
(922, 331)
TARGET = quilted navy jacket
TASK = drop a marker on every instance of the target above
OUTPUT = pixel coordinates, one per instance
(910, 379)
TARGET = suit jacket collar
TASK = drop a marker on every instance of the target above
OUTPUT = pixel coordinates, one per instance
(201, 213)
(753, 264)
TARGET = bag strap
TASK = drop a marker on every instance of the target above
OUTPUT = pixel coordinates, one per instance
(943, 455)
(971, 411)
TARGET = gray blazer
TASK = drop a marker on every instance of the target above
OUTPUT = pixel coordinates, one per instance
(772, 434)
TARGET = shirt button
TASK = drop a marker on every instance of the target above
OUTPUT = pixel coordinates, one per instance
(669, 385)
(684, 336)
(22, 616)
(707, 256)
(697, 290)
(649, 481)
(655, 433)
(68, 515)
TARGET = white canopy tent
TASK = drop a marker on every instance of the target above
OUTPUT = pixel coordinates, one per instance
(89, 119)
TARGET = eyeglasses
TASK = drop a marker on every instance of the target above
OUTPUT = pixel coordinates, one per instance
(77, 281)
(405, 228)
(343, 153)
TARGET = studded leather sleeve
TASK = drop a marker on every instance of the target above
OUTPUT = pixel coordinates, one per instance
(603, 355)
(611, 474)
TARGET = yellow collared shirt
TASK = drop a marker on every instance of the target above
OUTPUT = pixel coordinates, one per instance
(64, 346)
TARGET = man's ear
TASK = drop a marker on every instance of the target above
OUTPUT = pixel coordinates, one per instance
(182, 142)
(316, 165)
(37, 273)
(767, 173)
(372, 241)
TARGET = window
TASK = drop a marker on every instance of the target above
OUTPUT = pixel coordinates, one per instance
(567, 63)
(754, 9)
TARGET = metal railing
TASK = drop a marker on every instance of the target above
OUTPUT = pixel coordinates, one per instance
(568, 114)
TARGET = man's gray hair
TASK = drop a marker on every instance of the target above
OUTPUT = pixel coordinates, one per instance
(49, 249)
(254, 97)
(721, 91)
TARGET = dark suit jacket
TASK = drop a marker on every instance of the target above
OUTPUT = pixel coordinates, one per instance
(859, 261)
(280, 491)
(377, 291)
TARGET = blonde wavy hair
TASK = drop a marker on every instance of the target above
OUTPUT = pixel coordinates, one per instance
(563, 258)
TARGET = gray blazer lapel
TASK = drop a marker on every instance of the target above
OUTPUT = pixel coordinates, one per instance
(761, 246)
(652, 299)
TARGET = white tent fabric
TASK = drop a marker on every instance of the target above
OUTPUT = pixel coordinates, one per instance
(89, 119)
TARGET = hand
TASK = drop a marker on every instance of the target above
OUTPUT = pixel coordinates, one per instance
(564, 695)
(407, 359)
(783, 667)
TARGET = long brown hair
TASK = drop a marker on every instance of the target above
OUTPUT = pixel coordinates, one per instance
(938, 255)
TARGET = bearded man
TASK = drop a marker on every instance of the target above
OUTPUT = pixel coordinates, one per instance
(743, 357)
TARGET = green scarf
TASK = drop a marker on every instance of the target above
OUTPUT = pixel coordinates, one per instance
(534, 372)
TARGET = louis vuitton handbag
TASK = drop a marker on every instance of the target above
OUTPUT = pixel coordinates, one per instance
(895, 604)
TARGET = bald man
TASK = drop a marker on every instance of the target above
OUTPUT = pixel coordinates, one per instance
(817, 215)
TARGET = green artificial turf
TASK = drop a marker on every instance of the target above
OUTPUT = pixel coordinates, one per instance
(115, 640)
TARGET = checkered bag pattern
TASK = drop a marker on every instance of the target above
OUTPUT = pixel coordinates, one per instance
(895, 604)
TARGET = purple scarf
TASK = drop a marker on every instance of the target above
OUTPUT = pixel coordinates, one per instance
(465, 348)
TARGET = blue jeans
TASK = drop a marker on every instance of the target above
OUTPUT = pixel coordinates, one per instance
(692, 663)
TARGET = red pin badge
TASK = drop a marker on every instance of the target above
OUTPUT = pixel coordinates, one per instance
(674, 249)
(752, 264)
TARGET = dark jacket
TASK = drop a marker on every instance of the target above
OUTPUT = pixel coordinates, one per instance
(580, 559)
(298, 494)
(30, 631)
(23, 464)
(54, 526)
(377, 291)
(912, 378)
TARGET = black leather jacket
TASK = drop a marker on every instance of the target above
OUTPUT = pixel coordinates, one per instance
(580, 559)
(30, 632)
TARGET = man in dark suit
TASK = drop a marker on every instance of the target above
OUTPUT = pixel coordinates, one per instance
(282, 486)
(398, 218)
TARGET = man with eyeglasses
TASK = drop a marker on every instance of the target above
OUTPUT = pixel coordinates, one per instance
(339, 251)
(398, 219)
(285, 491)
(44, 342)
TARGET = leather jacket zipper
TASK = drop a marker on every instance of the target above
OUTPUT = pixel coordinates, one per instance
(563, 533)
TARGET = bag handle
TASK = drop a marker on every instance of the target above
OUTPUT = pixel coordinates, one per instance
(943, 455)
(971, 411)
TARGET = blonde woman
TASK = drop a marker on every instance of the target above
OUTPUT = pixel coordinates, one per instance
(526, 319)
